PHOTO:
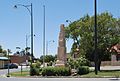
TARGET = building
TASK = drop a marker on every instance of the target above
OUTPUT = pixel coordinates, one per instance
(115, 50)
(19, 59)
(3, 61)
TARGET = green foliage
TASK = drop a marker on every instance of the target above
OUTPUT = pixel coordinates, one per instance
(71, 63)
(75, 63)
(83, 70)
(48, 58)
(48, 71)
(82, 61)
(2, 51)
(82, 33)
(35, 69)
(56, 71)
(50, 63)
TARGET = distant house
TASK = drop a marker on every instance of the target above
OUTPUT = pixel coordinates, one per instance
(116, 50)
(3, 61)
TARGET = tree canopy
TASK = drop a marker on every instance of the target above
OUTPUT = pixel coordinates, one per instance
(48, 58)
(82, 33)
(2, 51)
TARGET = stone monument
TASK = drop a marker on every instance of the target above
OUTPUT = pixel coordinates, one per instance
(61, 57)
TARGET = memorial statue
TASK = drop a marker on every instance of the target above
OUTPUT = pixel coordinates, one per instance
(61, 57)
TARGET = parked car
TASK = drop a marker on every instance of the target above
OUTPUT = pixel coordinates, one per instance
(11, 66)
(24, 64)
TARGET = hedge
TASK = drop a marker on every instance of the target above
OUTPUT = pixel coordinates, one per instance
(56, 71)
(83, 70)
(35, 69)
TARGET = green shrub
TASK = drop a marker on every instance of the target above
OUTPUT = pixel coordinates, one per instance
(35, 69)
(48, 71)
(56, 71)
(83, 70)
(50, 63)
(62, 71)
(82, 61)
(75, 63)
(71, 63)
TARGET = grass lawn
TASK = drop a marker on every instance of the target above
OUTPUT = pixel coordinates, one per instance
(108, 73)
(19, 74)
(90, 75)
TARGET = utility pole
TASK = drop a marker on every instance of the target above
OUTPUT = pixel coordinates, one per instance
(96, 39)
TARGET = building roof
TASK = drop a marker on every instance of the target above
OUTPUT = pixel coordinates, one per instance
(3, 58)
(115, 48)
(1, 54)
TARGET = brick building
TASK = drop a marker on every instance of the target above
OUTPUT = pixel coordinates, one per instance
(19, 59)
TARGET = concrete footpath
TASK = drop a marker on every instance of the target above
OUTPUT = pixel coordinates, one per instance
(59, 79)
(108, 67)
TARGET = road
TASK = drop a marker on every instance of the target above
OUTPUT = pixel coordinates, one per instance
(3, 72)
(59, 79)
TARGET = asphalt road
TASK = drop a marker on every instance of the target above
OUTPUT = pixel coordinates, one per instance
(3, 72)
(59, 79)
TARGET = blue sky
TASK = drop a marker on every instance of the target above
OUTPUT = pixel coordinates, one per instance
(15, 23)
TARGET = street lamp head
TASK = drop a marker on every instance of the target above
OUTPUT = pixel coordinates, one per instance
(53, 41)
(15, 6)
(67, 20)
(26, 6)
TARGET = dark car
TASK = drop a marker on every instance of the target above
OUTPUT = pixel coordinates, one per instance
(11, 66)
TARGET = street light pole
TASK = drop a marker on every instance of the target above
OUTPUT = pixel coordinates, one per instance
(26, 44)
(31, 15)
(44, 36)
(32, 33)
(8, 75)
(96, 42)
(47, 46)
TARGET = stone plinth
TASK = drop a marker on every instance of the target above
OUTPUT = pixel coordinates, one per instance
(60, 63)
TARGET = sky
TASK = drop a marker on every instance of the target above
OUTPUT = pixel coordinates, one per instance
(15, 23)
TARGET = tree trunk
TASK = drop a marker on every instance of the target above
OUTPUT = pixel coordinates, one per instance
(99, 63)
